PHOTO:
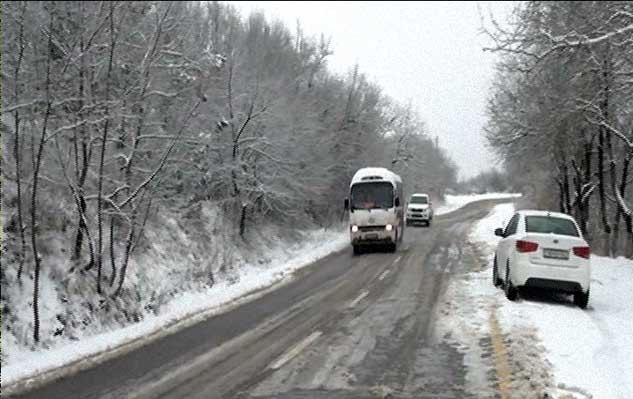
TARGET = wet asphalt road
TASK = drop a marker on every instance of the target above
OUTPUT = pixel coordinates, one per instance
(345, 327)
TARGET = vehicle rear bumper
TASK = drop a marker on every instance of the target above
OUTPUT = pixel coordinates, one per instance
(554, 285)
(567, 279)
(414, 219)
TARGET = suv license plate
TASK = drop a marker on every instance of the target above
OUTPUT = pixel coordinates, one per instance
(371, 236)
(555, 254)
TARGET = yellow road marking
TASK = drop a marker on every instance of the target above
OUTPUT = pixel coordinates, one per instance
(502, 367)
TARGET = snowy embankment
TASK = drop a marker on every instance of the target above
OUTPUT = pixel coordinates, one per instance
(552, 346)
(454, 202)
(267, 270)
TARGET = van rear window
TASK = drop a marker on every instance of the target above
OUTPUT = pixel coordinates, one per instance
(553, 225)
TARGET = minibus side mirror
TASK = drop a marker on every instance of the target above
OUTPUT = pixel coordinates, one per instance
(346, 203)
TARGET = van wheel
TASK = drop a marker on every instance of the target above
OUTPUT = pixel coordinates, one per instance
(496, 281)
(510, 290)
(357, 249)
(581, 299)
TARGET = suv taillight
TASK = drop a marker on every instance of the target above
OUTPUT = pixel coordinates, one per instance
(582, 252)
(526, 246)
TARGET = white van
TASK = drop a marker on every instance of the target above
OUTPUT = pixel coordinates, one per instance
(375, 209)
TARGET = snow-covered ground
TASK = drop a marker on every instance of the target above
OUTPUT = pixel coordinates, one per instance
(552, 346)
(454, 202)
(184, 309)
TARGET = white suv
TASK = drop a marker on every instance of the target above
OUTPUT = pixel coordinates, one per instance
(419, 210)
(543, 249)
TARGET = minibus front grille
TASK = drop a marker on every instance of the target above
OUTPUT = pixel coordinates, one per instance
(370, 228)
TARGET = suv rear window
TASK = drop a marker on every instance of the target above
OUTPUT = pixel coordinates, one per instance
(547, 224)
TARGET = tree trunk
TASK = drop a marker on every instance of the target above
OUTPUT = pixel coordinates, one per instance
(628, 217)
(604, 143)
(578, 204)
(561, 197)
(81, 171)
(587, 180)
(104, 141)
(243, 220)
(36, 171)
(130, 245)
(112, 258)
(16, 145)
(126, 257)
(601, 183)
(566, 190)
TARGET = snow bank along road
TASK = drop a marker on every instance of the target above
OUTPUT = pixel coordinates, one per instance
(346, 327)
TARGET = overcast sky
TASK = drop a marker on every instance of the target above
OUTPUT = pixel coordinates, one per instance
(429, 53)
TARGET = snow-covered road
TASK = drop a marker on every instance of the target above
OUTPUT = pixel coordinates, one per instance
(485, 344)
(344, 326)
(186, 307)
(454, 202)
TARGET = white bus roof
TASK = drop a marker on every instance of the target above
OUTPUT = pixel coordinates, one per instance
(375, 174)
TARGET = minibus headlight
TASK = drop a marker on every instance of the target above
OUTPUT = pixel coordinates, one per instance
(389, 227)
(354, 229)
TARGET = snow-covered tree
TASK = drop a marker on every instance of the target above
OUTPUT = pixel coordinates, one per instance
(561, 111)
